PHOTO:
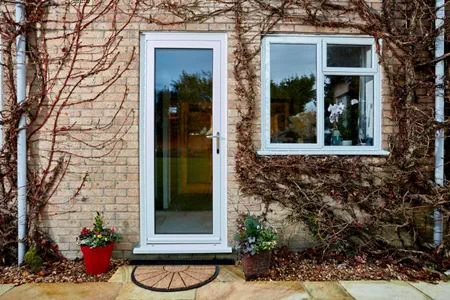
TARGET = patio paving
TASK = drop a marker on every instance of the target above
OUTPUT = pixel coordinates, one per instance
(73, 291)
(438, 291)
(122, 275)
(373, 290)
(252, 290)
(230, 284)
(133, 292)
(326, 290)
(5, 287)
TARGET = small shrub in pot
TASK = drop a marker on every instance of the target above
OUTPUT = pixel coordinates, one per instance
(255, 242)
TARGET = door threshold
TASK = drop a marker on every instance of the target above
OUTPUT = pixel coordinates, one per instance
(182, 259)
(182, 249)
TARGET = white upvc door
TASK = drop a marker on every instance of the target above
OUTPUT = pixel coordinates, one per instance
(183, 143)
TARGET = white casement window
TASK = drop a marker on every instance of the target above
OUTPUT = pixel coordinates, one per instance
(320, 95)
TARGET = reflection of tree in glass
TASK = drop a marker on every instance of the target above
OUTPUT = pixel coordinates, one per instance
(194, 87)
(297, 90)
(293, 110)
(189, 87)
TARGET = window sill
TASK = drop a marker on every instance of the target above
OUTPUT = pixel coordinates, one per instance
(363, 152)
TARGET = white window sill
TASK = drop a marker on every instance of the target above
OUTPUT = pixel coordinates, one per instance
(364, 152)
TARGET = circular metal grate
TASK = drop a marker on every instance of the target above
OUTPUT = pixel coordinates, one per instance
(172, 278)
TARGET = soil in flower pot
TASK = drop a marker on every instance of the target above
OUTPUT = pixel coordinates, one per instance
(96, 260)
(256, 265)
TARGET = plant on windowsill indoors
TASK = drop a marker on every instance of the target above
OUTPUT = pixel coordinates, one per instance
(336, 110)
(97, 245)
(254, 243)
(339, 118)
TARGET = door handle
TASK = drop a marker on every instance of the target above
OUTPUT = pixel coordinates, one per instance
(217, 138)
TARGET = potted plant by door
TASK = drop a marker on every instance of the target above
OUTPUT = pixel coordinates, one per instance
(255, 243)
(97, 245)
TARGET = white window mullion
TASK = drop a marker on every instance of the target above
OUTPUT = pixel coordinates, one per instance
(320, 95)
(265, 109)
(378, 108)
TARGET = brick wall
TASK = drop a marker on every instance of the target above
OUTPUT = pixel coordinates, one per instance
(114, 183)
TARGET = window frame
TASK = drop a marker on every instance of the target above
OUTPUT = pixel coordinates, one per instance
(319, 148)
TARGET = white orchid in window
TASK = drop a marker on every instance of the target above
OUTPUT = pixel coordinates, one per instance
(336, 110)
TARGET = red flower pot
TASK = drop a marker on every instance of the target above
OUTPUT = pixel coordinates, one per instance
(96, 260)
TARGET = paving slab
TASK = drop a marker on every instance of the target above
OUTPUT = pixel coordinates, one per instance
(122, 275)
(286, 290)
(437, 291)
(325, 290)
(132, 291)
(73, 291)
(380, 290)
(5, 287)
(230, 273)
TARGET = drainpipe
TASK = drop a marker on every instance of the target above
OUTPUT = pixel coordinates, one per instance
(439, 115)
(21, 137)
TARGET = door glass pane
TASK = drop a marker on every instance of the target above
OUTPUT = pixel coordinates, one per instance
(183, 153)
(293, 104)
(349, 56)
(349, 110)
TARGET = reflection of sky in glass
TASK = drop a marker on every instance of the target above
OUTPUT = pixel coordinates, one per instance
(170, 63)
(291, 60)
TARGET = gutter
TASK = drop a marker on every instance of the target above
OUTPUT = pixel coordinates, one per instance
(21, 70)
(439, 115)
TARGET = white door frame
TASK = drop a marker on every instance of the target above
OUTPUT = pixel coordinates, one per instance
(182, 243)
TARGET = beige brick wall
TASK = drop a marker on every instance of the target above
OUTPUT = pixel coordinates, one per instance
(114, 183)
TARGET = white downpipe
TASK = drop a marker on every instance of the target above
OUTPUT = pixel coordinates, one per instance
(21, 137)
(439, 115)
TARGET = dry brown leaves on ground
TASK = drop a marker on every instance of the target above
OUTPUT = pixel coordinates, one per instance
(61, 271)
(300, 266)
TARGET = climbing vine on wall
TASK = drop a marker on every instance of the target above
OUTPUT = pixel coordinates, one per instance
(67, 72)
(352, 203)
(349, 203)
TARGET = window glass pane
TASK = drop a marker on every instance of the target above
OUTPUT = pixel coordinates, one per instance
(183, 153)
(349, 56)
(349, 110)
(293, 107)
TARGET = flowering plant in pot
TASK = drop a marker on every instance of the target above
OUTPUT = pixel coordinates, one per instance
(255, 242)
(97, 245)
